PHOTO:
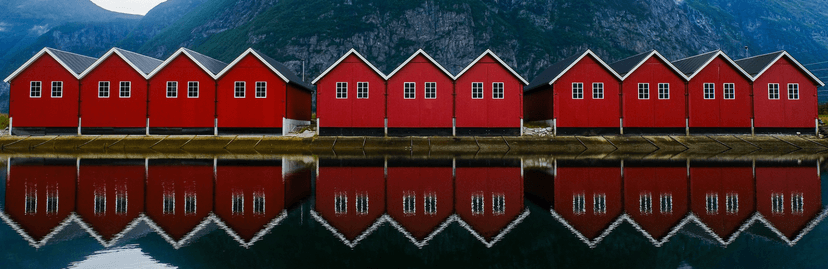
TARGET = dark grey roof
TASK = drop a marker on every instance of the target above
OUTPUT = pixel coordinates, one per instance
(285, 71)
(756, 64)
(78, 63)
(215, 66)
(626, 65)
(144, 63)
(552, 72)
(691, 65)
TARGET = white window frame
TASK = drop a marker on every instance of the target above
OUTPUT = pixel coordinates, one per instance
(30, 204)
(263, 86)
(121, 89)
(498, 90)
(101, 87)
(778, 203)
(430, 203)
(99, 202)
(341, 199)
(709, 91)
(52, 198)
(189, 86)
(498, 204)
(341, 90)
(481, 204)
(59, 91)
(664, 91)
(645, 203)
(174, 91)
(362, 90)
(773, 89)
(577, 90)
(729, 91)
(236, 89)
(477, 86)
(406, 87)
(643, 91)
(793, 92)
(32, 89)
(597, 90)
(433, 86)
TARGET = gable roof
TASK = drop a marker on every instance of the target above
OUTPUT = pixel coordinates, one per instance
(278, 68)
(757, 65)
(556, 70)
(691, 66)
(627, 66)
(420, 52)
(355, 53)
(211, 66)
(142, 64)
(490, 53)
(74, 63)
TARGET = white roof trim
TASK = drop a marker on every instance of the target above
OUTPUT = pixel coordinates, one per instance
(246, 52)
(173, 57)
(420, 51)
(341, 236)
(724, 242)
(720, 53)
(132, 224)
(104, 57)
(184, 240)
(354, 52)
(811, 225)
(801, 67)
(588, 52)
(659, 243)
(37, 56)
(655, 53)
(591, 243)
(500, 235)
(37, 244)
(258, 236)
(489, 52)
(421, 244)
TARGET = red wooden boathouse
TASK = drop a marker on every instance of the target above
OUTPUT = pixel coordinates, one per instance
(350, 98)
(182, 99)
(113, 95)
(653, 93)
(420, 197)
(179, 195)
(420, 97)
(784, 93)
(110, 196)
(44, 93)
(489, 98)
(719, 93)
(257, 94)
(576, 95)
(723, 198)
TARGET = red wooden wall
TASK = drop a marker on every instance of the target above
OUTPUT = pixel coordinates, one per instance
(656, 181)
(788, 181)
(40, 181)
(722, 181)
(350, 181)
(488, 181)
(654, 112)
(588, 181)
(110, 180)
(248, 181)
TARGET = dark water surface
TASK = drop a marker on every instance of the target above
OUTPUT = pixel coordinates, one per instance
(408, 212)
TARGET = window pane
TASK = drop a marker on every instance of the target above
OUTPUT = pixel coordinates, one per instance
(121, 203)
(192, 89)
(643, 91)
(172, 89)
(410, 90)
(169, 203)
(103, 89)
(57, 89)
(258, 203)
(362, 90)
(239, 89)
(577, 90)
(712, 203)
(599, 204)
(190, 204)
(597, 90)
(100, 203)
(729, 91)
(578, 205)
(645, 203)
(341, 90)
(477, 90)
(430, 90)
(341, 203)
(663, 91)
(35, 89)
(238, 204)
(793, 91)
(125, 89)
(498, 204)
(430, 204)
(666, 203)
(497, 90)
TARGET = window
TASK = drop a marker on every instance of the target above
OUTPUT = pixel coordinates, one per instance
(777, 203)
(237, 204)
(666, 204)
(121, 203)
(100, 203)
(125, 89)
(498, 204)
(239, 89)
(643, 91)
(477, 90)
(34, 89)
(430, 90)
(342, 90)
(103, 89)
(729, 91)
(732, 203)
(597, 90)
(796, 203)
(31, 203)
(362, 90)
(57, 89)
(362, 201)
(430, 203)
(577, 90)
(712, 203)
(192, 89)
(497, 90)
(341, 203)
(645, 203)
(261, 89)
(172, 89)
(409, 90)
(258, 203)
(663, 91)
(190, 204)
(578, 204)
(709, 91)
(409, 203)
(52, 202)
(599, 204)
(793, 91)
(169, 203)
(477, 204)
(773, 91)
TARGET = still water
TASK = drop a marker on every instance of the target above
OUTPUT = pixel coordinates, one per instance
(410, 212)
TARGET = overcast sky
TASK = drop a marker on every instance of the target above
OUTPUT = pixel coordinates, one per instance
(139, 7)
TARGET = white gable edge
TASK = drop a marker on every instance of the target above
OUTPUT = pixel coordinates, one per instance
(588, 52)
(420, 51)
(244, 54)
(173, 57)
(107, 55)
(489, 52)
(655, 53)
(335, 64)
(801, 67)
(728, 59)
(34, 58)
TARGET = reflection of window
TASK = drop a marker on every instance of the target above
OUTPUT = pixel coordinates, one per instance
(578, 204)
(712, 203)
(238, 203)
(121, 203)
(31, 203)
(666, 203)
(498, 204)
(732, 203)
(477, 204)
(409, 204)
(645, 203)
(169, 203)
(52, 202)
(190, 203)
(430, 204)
(796, 203)
(362, 204)
(777, 203)
(341, 203)
(258, 203)
(100, 203)
(599, 203)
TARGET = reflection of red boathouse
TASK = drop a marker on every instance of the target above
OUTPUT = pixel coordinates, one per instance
(179, 194)
(788, 196)
(110, 195)
(655, 196)
(588, 196)
(488, 197)
(350, 196)
(723, 198)
(420, 198)
(40, 194)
